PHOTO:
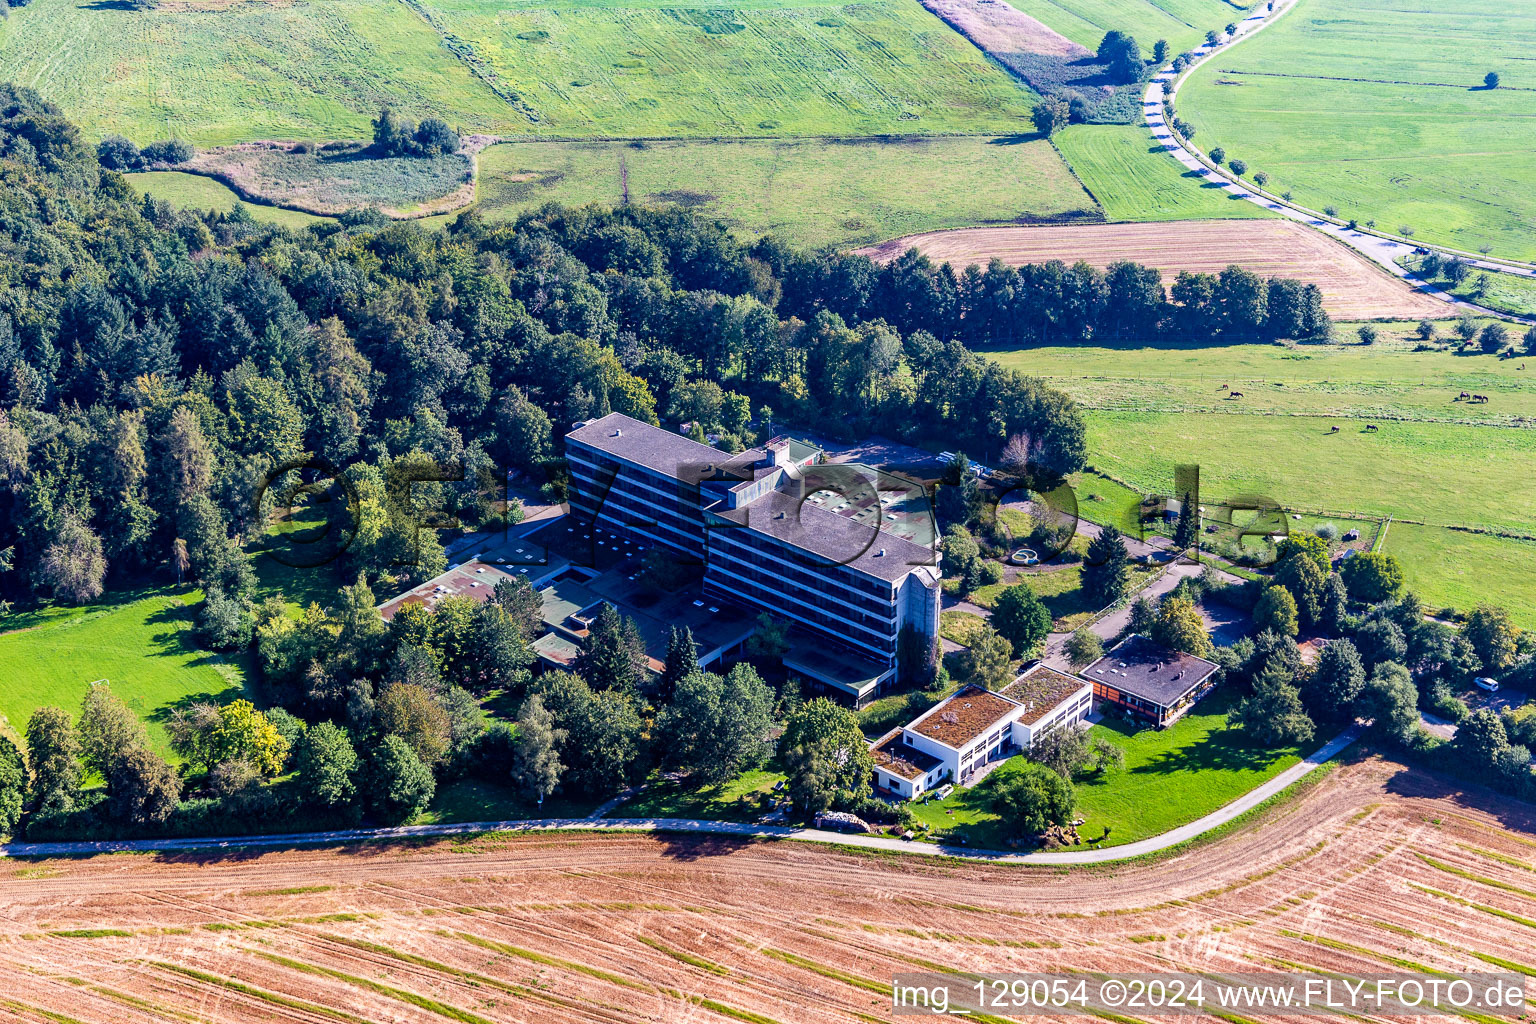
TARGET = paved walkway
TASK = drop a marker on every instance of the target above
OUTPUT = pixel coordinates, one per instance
(1380, 248)
(1181, 834)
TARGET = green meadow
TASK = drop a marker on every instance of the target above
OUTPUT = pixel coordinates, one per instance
(1182, 22)
(811, 191)
(1454, 569)
(1377, 107)
(1435, 460)
(217, 72)
(140, 643)
(756, 69)
(1131, 176)
(196, 192)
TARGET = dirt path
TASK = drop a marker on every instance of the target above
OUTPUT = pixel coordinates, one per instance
(1374, 862)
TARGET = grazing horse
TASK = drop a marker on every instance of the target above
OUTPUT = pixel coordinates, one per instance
(1464, 394)
(1333, 430)
(1234, 394)
(1371, 428)
(1222, 388)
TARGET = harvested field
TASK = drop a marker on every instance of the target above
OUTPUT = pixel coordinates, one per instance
(1373, 868)
(1352, 288)
(996, 27)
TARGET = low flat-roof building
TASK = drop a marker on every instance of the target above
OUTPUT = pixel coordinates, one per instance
(571, 605)
(1149, 681)
(1049, 699)
(476, 578)
(958, 735)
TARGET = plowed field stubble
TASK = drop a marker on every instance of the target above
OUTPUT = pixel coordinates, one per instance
(1374, 866)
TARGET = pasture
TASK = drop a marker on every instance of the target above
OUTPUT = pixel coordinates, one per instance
(140, 643)
(813, 192)
(1451, 568)
(1352, 287)
(759, 69)
(216, 73)
(1436, 460)
(1507, 293)
(1135, 179)
(1378, 108)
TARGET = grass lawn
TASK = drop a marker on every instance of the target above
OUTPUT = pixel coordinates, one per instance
(196, 192)
(281, 559)
(1135, 180)
(1176, 775)
(1171, 777)
(883, 714)
(478, 800)
(1378, 108)
(1104, 501)
(624, 69)
(810, 191)
(140, 642)
(737, 799)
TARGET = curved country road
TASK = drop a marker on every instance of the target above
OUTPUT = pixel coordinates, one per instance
(1182, 834)
(1382, 249)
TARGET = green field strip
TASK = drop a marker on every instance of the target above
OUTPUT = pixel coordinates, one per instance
(402, 995)
(263, 995)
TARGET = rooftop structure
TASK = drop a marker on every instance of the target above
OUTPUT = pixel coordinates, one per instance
(898, 758)
(1040, 691)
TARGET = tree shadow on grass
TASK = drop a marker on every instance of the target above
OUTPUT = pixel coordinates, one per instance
(1216, 754)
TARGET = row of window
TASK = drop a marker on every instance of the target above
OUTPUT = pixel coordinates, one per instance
(745, 560)
(881, 642)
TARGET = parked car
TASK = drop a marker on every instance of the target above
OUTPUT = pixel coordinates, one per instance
(1485, 683)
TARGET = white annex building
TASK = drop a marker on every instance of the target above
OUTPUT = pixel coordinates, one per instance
(950, 740)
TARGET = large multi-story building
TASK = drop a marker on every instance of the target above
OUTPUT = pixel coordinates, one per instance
(839, 551)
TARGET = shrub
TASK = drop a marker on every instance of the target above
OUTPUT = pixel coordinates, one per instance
(117, 153)
(433, 136)
(168, 151)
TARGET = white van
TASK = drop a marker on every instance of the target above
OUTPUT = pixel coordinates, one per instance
(1485, 683)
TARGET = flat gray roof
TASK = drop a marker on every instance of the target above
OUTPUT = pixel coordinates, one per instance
(647, 445)
(830, 536)
(1149, 670)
